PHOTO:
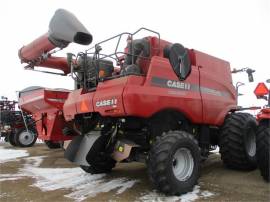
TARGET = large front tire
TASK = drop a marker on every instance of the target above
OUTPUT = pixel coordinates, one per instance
(263, 149)
(174, 163)
(238, 141)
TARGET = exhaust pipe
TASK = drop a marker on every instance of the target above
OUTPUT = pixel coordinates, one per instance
(64, 28)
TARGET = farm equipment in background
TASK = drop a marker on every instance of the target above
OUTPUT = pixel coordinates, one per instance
(263, 134)
(154, 102)
(17, 127)
(45, 105)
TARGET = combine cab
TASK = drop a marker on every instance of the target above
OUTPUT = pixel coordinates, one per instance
(153, 101)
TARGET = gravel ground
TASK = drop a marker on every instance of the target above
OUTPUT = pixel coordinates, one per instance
(41, 174)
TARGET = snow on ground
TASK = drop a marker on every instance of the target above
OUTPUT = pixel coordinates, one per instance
(11, 154)
(188, 197)
(81, 184)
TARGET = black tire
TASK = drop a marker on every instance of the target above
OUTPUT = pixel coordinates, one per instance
(20, 137)
(105, 166)
(52, 145)
(11, 139)
(238, 141)
(161, 162)
(263, 149)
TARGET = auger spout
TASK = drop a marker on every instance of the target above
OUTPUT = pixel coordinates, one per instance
(64, 28)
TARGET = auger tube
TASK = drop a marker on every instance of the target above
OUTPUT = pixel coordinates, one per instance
(64, 28)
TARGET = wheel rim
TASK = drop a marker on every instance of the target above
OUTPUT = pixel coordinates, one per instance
(26, 138)
(251, 142)
(182, 164)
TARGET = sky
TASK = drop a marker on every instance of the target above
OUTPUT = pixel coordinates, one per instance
(235, 30)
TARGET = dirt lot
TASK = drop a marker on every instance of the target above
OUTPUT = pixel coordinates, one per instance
(40, 174)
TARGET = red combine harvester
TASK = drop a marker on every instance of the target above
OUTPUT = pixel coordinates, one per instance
(263, 136)
(155, 102)
(46, 106)
(17, 127)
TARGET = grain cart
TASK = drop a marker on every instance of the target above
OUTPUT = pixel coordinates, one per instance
(17, 127)
(155, 102)
(263, 133)
(45, 105)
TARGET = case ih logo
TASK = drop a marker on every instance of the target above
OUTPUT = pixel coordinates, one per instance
(166, 83)
(181, 86)
(103, 103)
(178, 84)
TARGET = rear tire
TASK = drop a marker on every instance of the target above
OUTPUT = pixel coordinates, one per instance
(238, 141)
(24, 138)
(174, 163)
(263, 149)
(52, 145)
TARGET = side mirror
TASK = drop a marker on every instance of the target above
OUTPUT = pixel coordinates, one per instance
(247, 70)
(179, 59)
(250, 74)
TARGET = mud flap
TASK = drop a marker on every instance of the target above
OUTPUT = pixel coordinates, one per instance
(80, 146)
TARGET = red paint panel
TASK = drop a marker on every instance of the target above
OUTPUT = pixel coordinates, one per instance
(215, 75)
(144, 100)
(69, 107)
(108, 90)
